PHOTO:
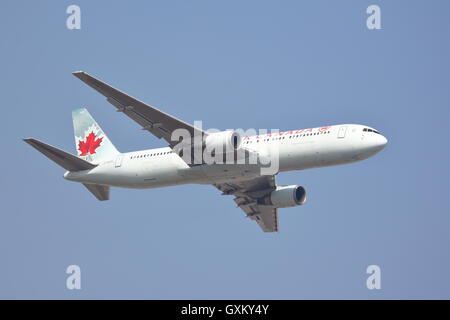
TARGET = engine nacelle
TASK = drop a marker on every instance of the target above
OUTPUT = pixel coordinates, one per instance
(286, 196)
(223, 141)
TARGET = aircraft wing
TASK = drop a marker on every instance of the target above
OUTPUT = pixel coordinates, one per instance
(246, 194)
(161, 124)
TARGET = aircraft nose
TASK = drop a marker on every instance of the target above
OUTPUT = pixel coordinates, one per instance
(381, 142)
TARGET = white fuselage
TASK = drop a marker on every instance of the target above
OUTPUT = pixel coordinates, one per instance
(295, 150)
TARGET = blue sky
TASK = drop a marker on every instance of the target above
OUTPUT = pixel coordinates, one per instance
(231, 64)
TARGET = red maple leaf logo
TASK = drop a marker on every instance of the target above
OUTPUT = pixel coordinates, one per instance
(89, 146)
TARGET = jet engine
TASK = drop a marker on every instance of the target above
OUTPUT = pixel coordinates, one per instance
(223, 141)
(285, 196)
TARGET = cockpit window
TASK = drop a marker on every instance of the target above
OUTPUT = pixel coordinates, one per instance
(370, 130)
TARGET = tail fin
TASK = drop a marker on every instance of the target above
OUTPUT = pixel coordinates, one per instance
(91, 142)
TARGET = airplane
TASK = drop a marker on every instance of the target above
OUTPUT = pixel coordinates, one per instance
(98, 165)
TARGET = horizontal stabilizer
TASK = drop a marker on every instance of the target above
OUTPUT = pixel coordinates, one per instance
(99, 191)
(64, 159)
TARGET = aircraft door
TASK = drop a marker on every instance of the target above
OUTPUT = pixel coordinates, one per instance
(342, 131)
(118, 162)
